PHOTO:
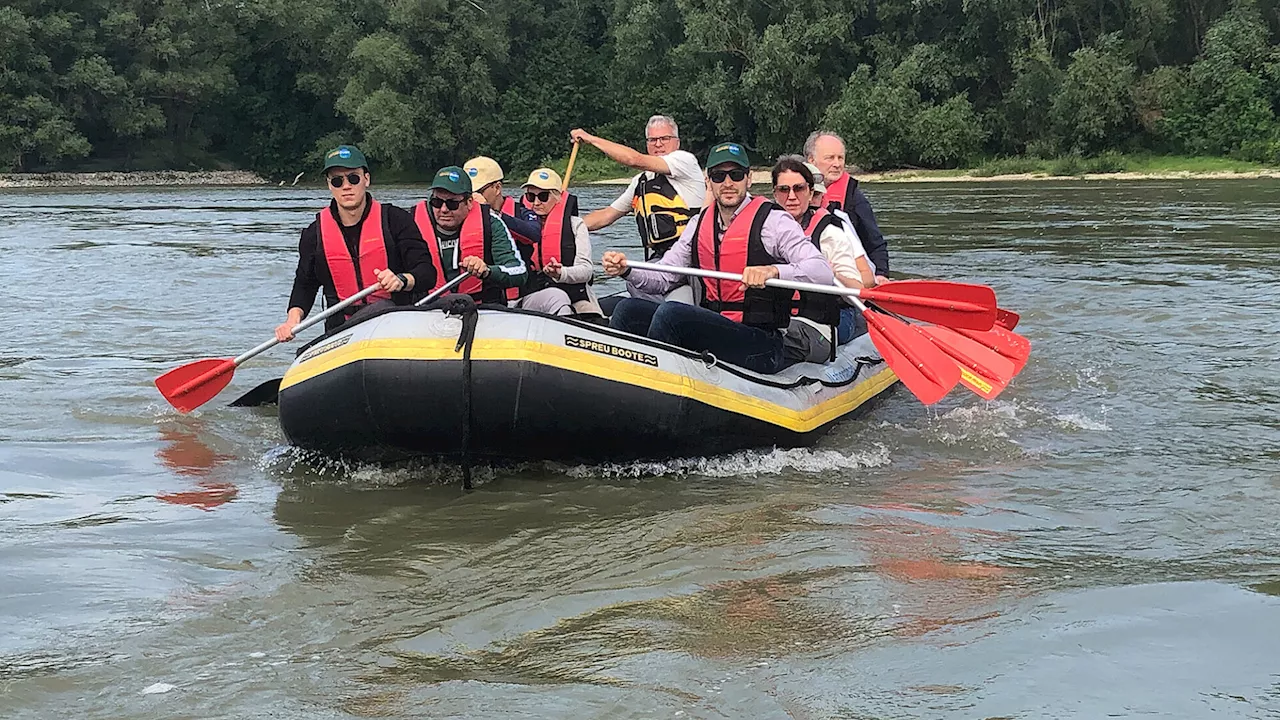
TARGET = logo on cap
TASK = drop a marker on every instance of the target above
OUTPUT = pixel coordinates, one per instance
(543, 175)
(344, 153)
(453, 176)
(473, 171)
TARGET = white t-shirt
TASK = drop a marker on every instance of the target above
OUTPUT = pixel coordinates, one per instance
(686, 177)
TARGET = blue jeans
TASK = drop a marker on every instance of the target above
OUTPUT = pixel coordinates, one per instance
(699, 329)
(852, 324)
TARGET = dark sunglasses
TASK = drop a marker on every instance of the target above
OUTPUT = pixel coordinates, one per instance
(789, 189)
(543, 196)
(437, 202)
(352, 177)
(736, 175)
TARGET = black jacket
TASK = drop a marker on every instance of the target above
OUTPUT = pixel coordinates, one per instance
(411, 256)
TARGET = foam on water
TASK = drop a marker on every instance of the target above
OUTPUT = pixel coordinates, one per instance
(740, 464)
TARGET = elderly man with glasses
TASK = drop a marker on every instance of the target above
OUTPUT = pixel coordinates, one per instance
(742, 323)
(669, 190)
(354, 243)
(463, 235)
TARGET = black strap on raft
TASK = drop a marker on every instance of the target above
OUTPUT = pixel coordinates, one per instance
(464, 306)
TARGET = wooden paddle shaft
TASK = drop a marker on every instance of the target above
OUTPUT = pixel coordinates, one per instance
(568, 171)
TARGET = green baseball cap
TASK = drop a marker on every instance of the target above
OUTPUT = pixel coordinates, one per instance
(345, 156)
(453, 179)
(728, 153)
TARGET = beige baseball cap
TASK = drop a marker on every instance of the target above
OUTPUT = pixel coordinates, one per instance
(819, 183)
(482, 171)
(544, 179)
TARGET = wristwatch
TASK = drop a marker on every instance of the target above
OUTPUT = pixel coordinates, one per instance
(404, 280)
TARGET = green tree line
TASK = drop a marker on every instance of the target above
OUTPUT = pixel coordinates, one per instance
(267, 84)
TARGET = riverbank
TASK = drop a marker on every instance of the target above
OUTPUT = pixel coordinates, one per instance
(131, 179)
(1110, 166)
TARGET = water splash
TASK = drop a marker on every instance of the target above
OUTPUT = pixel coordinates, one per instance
(740, 464)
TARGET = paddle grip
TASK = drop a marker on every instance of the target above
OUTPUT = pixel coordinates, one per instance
(443, 289)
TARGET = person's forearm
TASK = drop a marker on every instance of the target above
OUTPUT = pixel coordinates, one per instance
(604, 217)
(617, 153)
(578, 273)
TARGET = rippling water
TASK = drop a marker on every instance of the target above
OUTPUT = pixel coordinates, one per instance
(1100, 541)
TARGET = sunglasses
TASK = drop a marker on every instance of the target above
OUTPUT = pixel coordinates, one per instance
(736, 175)
(789, 189)
(532, 196)
(352, 177)
(438, 202)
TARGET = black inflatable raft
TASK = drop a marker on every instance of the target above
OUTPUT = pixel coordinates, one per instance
(508, 384)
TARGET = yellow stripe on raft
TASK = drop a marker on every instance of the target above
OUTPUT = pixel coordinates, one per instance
(601, 366)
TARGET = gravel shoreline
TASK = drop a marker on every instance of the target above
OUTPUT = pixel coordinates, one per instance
(131, 179)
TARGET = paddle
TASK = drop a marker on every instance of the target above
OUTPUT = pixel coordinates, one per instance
(1005, 342)
(1007, 319)
(951, 304)
(923, 368)
(196, 383)
(268, 393)
(568, 171)
(982, 370)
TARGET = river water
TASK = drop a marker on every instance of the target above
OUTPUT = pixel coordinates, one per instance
(1100, 541)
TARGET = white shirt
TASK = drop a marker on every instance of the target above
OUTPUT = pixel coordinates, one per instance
(685, 175)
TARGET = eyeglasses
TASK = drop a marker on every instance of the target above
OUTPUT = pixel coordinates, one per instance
(532, 196)
(437, 202)
(352, 177)
(789, 189)
(661, 138)
(736, 175)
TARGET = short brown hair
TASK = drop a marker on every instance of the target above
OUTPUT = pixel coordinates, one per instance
(792, 163)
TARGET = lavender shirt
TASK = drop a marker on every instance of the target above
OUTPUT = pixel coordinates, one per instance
(781, 235)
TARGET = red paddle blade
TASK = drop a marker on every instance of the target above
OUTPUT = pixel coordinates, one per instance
(1006, 342)
(926, 371)
(953, 304)
(1007, 319)
(982, 370)
(194, 384)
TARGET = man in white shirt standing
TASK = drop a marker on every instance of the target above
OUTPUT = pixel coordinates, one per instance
(669, 190)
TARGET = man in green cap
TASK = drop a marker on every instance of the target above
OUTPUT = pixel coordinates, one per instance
(354, 243)
(739, 322)
(464, 236)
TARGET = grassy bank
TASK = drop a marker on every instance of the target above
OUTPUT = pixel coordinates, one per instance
(1117, 165)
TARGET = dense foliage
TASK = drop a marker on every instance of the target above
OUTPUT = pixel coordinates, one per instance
(265, 84)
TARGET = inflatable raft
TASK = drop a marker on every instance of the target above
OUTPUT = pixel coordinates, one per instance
(503, 384)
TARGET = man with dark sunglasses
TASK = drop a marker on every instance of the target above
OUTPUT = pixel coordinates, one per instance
(560, 261)
(354, 243)
(465, 236)
(739, 322)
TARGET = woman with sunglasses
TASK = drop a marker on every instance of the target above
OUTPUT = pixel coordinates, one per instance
(740, 322)
(560, 260)
(354, 243)
(793, 190)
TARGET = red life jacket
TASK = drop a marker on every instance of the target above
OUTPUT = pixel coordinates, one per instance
(508, 206)
(557, 242)
(738, 248)
(840, 193)
(474, 240)
(371, 255)
(822, 309)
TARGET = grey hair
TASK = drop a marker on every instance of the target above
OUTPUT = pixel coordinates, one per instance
(662, 120)
(811, 142)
